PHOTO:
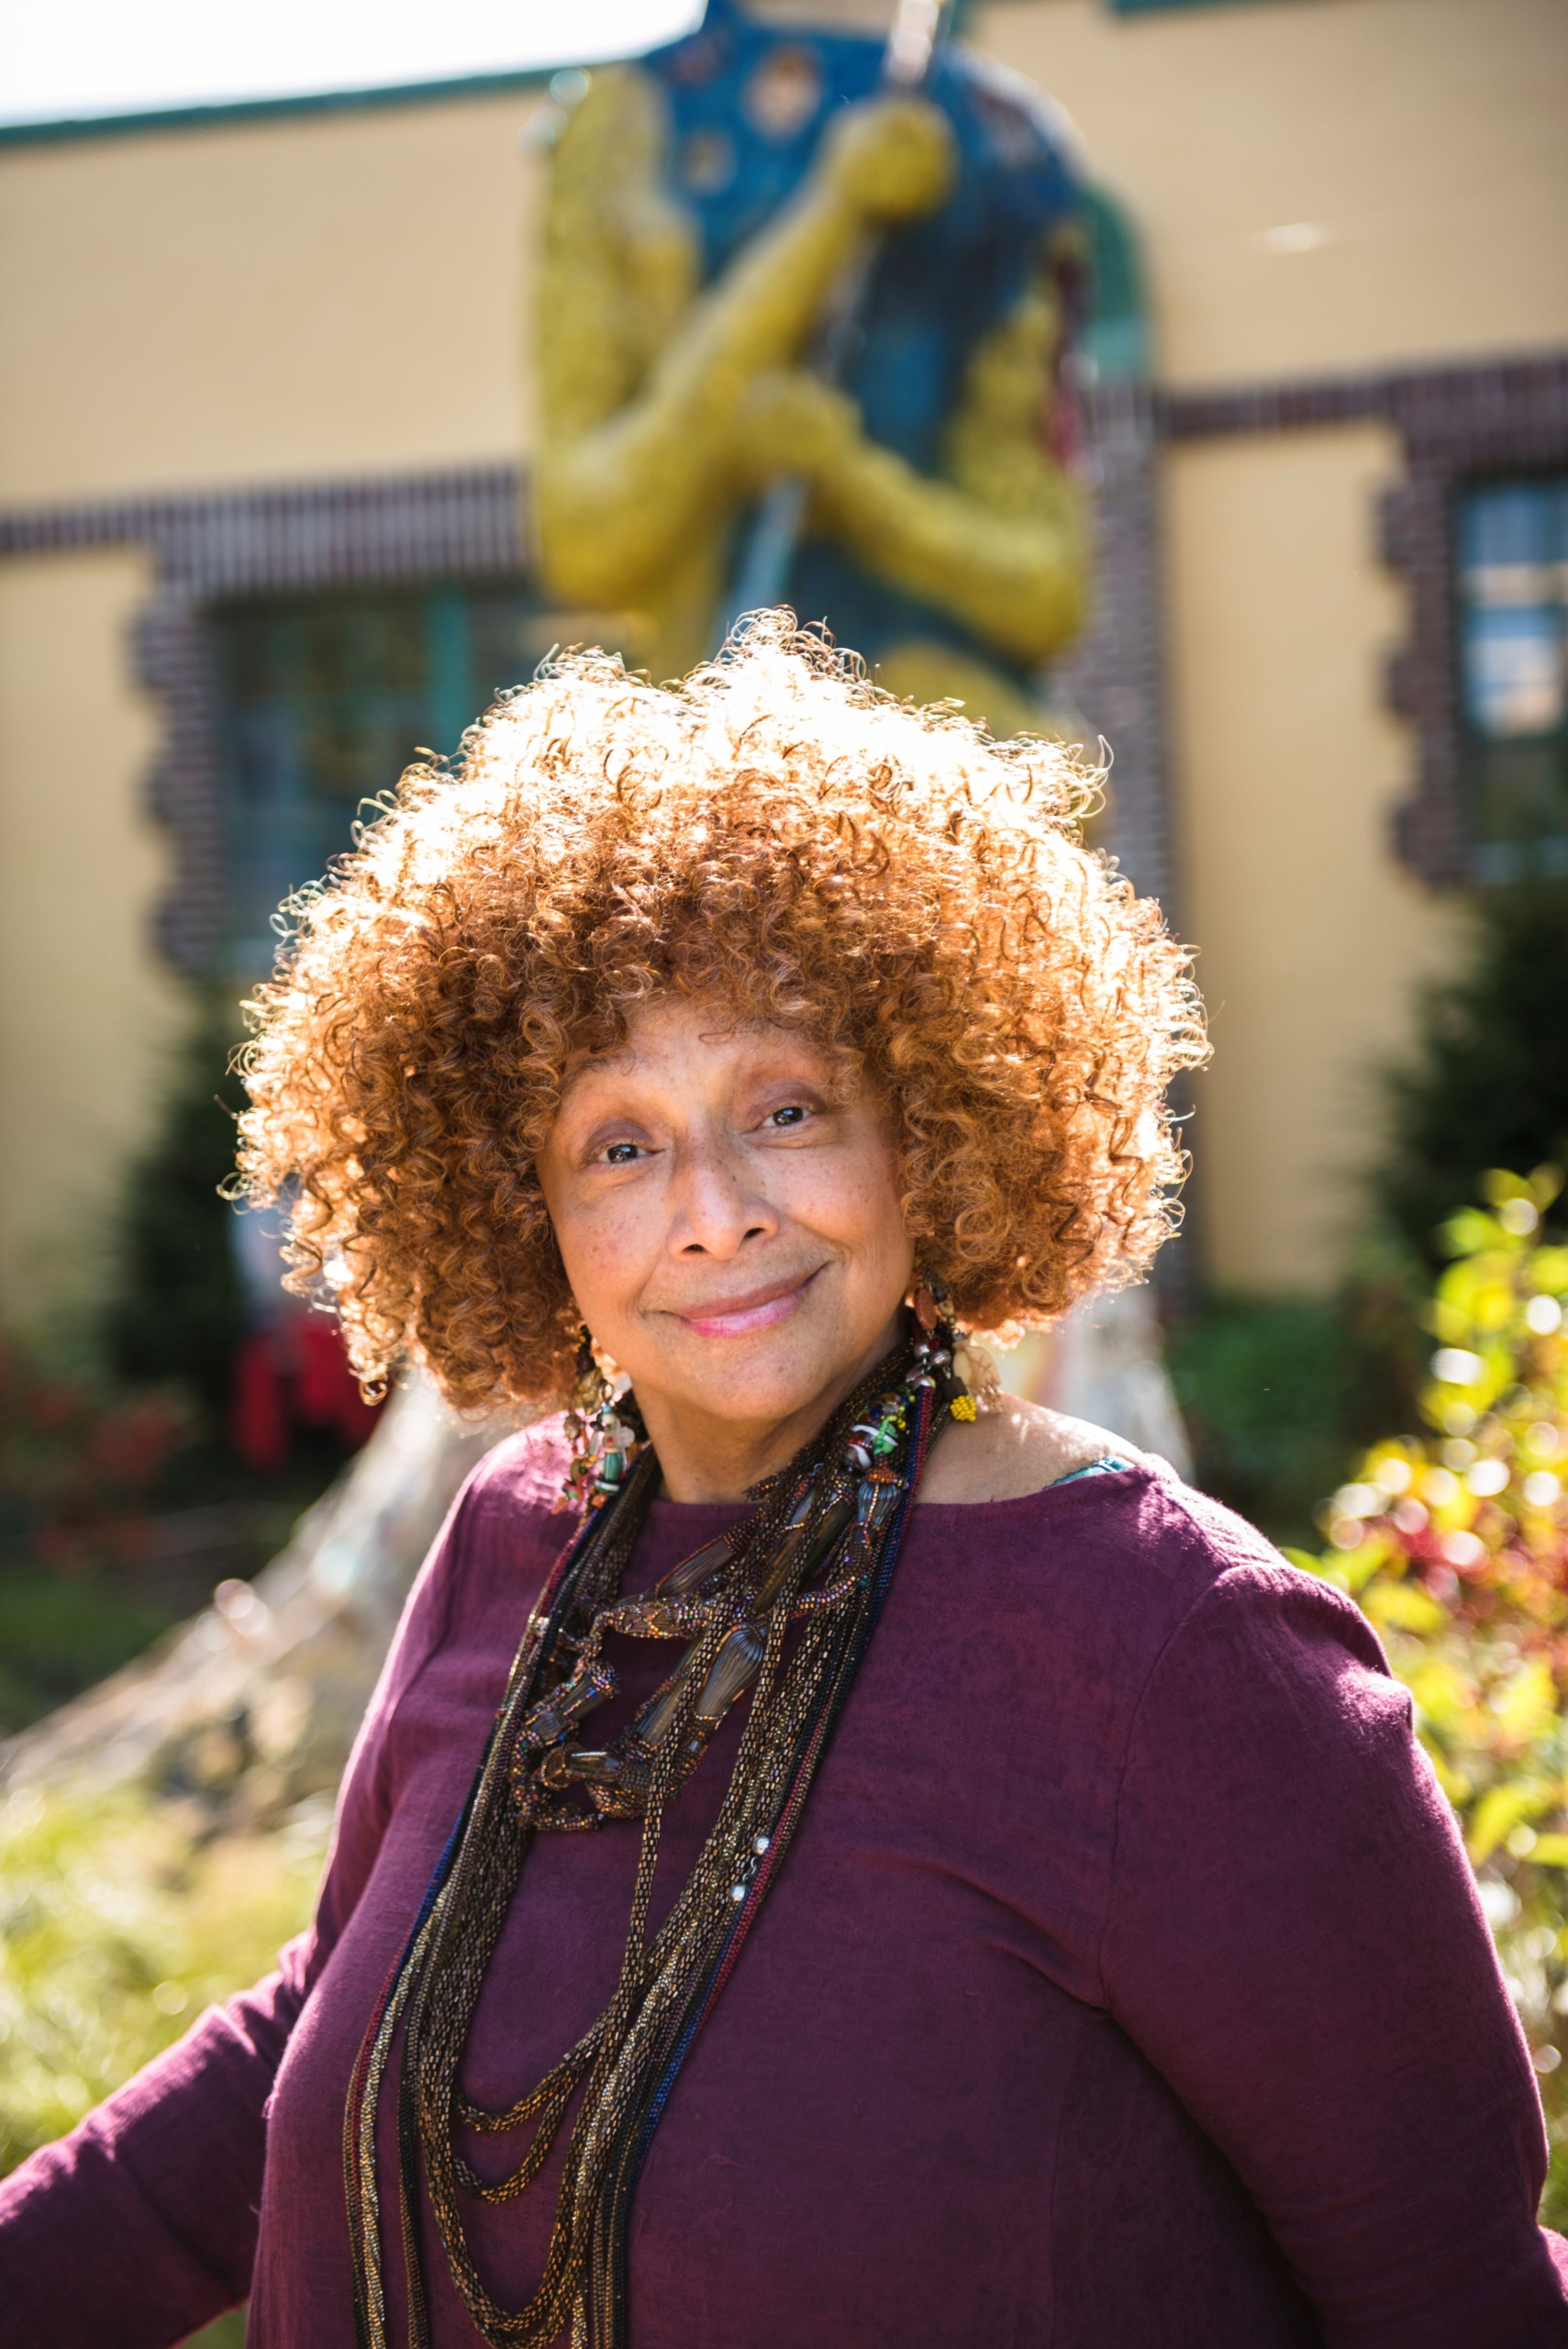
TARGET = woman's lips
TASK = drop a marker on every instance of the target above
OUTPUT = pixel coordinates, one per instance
(760, 1311)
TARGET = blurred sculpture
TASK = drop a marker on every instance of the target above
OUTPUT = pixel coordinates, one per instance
(704, 204)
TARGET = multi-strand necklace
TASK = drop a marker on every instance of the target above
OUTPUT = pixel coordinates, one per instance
(783, 1604)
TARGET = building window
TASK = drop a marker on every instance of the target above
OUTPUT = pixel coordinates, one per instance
(1512, 560)
(324, 701)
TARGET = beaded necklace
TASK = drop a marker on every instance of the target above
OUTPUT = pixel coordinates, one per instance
(785, 1603)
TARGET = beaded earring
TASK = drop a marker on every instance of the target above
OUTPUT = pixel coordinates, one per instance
(604, 1436)
(937, 1342)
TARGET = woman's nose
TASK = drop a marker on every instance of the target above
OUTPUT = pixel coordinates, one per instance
(717, 1209)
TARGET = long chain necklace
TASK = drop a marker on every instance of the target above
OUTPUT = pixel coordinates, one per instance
(815, 1562)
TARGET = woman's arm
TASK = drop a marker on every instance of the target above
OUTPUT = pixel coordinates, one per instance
(141, 2226)
(1295, 1943)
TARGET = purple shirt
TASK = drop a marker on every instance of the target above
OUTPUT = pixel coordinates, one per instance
(1125, 1988)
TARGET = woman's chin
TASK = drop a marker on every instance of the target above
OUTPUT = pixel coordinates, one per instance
(746, 1381)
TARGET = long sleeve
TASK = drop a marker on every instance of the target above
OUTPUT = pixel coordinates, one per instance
(141, 2226)
(1295, 1941)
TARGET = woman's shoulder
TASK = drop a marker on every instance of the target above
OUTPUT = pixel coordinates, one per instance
(504, 1522)
(523, 1475)
(1011, 1450)
(1133, 1539)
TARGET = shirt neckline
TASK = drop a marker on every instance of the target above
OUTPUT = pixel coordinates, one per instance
(1096, 1471)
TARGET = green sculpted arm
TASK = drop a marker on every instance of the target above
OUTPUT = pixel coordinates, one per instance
(665, 408)
(644, 381)
(1001, 539)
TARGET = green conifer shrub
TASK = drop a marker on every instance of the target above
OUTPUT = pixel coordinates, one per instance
(176, 1312)
(1487, 1084)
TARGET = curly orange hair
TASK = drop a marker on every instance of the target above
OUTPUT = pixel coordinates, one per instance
(774, 834)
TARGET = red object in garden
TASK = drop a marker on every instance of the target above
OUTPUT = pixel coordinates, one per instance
(293, 1372)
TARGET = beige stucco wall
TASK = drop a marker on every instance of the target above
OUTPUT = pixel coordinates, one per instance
(340, 292)
(332, 292)
(1311, 938)
(327, 294)
(85, 1011)
(1427, 137)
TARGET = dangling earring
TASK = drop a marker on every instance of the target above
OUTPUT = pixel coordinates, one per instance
(930, 1300)
(937, 1339)
(605, 1438)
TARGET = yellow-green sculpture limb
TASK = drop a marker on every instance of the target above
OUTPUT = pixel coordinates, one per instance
(668, 409)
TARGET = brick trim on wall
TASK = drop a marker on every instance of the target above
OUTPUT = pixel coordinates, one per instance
(300, 536)
(1114, 676)
(395, 530)
(468, 523)
(1456, 423)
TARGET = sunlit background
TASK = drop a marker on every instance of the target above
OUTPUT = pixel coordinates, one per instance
(269, 408)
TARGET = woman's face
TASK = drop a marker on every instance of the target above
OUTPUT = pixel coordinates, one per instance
(728, 1217)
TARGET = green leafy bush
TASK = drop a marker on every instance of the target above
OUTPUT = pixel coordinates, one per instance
(78, 1460)
(1455, 1544)
(175, 1316)
(1261, 1381)
(1276, 1390)
(108, 1531)
(79, 1463)
(111, 1453)
(58, 1638)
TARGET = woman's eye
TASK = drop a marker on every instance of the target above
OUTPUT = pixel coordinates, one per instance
(622, 1154)
(794, 1116)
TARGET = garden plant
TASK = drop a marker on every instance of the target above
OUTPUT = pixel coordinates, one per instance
(1455, 1544)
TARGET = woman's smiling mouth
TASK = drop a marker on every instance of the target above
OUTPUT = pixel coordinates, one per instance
(758, 1309)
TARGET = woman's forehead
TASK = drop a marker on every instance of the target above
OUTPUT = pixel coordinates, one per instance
(673, 1035)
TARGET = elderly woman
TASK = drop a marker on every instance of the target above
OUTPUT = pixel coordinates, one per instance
(836, 1855)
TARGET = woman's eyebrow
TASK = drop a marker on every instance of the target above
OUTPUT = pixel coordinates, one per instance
(616, 1059)
(609, 1121)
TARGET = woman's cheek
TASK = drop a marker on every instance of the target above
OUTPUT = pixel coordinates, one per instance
(614, 1243)
(846, 1195)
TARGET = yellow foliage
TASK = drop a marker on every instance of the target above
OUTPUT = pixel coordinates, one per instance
(116, 1930)
(1526, 1705)
(1404, 1606)
(1444, 1694)
(1456, 1547)
(1501, 1810)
